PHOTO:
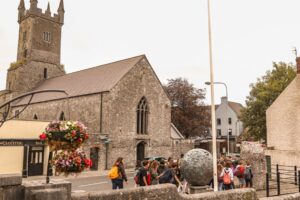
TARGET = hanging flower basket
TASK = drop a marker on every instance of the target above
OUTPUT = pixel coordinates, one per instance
(71, 162)
(62, 135)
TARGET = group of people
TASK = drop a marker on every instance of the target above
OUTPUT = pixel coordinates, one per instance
(152, 172)
(228, 168)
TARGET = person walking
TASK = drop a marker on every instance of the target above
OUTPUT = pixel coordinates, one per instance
(227, 176)
(239, 172)
(248, 175)
(143, 174)
(117, 180)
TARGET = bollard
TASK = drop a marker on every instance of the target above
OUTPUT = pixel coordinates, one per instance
(278, 183)
(267, 184)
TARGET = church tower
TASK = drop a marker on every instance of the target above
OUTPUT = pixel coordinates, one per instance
(39, 46)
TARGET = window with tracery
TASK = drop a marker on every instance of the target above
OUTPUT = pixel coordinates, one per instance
(142, 116)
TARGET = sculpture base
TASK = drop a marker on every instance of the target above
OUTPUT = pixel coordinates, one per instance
(199, 189)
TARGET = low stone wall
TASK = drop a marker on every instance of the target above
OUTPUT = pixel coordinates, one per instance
(165, 191)
(10, 187)
(284, 197)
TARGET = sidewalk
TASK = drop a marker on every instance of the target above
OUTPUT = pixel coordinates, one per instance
(84, 174)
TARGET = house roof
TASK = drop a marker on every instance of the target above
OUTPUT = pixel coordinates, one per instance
(175, 133)
(236, 107)
(21, 129)
(88, 81)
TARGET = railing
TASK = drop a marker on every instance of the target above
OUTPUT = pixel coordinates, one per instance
(283, 179)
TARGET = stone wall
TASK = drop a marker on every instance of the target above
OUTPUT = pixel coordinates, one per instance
(10, 187)
(254, 152)
(165, 191)
(284, 197)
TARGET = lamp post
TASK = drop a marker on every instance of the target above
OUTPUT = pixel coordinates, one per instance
(208, 83)
(213, 111)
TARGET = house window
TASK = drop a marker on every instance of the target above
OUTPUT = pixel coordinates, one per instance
(35, 117)
(62, 116)
(47, 36)
(142, 116)
(219, 132)
(218, 121)
(230, 132)
(45, 73)
(229, 120)
(17, 113)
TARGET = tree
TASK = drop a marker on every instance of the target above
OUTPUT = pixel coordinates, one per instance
(188, 113)
(263, 93)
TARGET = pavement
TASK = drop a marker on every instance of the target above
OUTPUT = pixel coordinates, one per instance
(86, 181)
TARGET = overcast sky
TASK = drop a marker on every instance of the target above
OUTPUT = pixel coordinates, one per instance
(248, 35)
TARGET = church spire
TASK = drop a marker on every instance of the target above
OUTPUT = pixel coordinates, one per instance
(21, 9)
(61, 11)
(33, 4)
(48, 11)
(21, 5)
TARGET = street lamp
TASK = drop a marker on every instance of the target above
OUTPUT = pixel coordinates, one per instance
(208, 83)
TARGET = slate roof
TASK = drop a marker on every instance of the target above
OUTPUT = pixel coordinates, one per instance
(88, 81)
(236, 107)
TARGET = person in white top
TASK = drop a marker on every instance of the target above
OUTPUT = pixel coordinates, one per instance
(227, 176)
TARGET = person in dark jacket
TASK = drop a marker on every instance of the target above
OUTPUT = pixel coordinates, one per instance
(118, 182)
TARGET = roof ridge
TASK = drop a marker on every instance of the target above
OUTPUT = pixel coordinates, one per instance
(86, 69)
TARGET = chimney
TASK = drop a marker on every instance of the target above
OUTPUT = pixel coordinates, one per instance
(224, 100)
(298, 65)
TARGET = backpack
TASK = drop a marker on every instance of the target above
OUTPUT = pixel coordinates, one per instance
(226, 178)
(136, 178)
(239, 172)
(248, 173)
(113, 173)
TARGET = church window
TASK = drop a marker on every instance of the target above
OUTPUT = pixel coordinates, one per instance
(25, 53)
(62, 116)
(47, 36)
(45, 73)
(17, 112)
(142, 116)
(35, 117)
(24, 36)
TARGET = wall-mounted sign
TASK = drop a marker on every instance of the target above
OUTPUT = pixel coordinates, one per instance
(20, 142)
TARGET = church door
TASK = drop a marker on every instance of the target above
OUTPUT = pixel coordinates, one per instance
(140, 151)
(94, 156)
(35, 160)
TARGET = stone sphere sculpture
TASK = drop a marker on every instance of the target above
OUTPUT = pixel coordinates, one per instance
(197, 165)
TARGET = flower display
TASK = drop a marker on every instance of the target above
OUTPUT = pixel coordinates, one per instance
(71, 162)
(65, 134)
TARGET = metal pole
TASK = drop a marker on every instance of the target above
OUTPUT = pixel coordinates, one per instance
(267, 185)
(49, 167)
(299, 180)
(213, 114)
(295, 168)
(278, 183)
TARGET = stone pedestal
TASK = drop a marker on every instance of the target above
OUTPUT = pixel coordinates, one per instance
(199, 189)
(39, 190)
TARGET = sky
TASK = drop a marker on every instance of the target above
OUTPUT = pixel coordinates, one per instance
(247, 37)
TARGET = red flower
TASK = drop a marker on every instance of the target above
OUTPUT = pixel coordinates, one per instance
(86, 136)
(88, 162)
(73, 133)
(43, 136)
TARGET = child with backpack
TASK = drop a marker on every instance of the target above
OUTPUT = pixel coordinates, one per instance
(248, 175)
(227, 176)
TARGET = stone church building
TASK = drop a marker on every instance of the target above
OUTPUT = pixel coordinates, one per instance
(122, 103)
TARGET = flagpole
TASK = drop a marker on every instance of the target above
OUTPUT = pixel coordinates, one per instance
(213, 111)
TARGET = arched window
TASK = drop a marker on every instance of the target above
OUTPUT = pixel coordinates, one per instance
(142, 116)
(35, 117)
(62, 116)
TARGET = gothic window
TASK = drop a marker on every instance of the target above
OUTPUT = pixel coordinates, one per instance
(142, 116)
(47, 36)
(35, 117)
(45, 73)
(62, 116)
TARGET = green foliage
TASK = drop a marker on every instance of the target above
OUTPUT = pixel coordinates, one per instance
(15, 65)
(188, 114)
(263, 93)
